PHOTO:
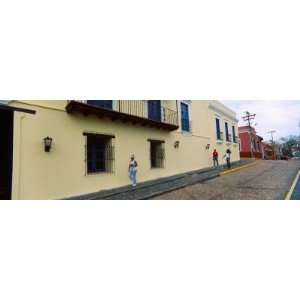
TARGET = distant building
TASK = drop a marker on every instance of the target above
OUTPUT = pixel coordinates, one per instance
(250, 143)
(268, 151)
(278, 151)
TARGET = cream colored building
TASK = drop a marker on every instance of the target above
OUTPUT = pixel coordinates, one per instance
(92, 143)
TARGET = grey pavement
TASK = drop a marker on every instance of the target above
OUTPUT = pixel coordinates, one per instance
(267, 180)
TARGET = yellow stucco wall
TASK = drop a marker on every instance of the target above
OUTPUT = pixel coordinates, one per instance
(62, 172)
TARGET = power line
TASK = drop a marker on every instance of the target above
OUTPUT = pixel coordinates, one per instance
(249, 118)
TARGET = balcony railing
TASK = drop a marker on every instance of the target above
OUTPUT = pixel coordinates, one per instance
(236, 139)
(135, 111)
(228, 138)
(220, 136)
(169, 116)
(133, 107)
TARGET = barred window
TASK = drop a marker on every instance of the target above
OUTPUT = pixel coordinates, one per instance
(227, 132)
(233, 134)
(100, 154)
(218, 128)
(157, 154)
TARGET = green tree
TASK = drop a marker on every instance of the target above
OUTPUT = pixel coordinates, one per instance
(288, 143)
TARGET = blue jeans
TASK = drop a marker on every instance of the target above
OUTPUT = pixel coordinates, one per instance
(132, 175)
(228, 163)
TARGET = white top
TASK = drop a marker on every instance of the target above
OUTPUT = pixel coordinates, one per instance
(133, 165)
(227, 155)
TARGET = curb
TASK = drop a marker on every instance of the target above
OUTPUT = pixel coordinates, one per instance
(292, 188)
(237, 169)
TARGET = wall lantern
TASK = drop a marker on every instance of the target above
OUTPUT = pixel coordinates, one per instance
(48, 143)
(207, 147)
(176, 144)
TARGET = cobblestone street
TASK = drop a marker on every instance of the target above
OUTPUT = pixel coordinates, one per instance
(266, 180)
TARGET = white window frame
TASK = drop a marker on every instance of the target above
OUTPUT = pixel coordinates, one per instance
(115, 105)
(146, 108)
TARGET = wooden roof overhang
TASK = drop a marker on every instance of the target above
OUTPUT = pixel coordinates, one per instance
(100, 112)
(11, 108)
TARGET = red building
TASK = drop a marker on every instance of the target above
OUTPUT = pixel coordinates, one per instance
(250, 143)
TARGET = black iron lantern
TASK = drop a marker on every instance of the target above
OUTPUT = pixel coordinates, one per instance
(176, 144)
(48, 143)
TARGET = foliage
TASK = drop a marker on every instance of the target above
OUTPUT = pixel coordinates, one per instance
(289, 144)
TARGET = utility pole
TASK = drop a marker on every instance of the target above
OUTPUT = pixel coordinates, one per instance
(248, 118)
(272, 139)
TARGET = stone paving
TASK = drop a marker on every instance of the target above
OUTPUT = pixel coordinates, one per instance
(267, 180)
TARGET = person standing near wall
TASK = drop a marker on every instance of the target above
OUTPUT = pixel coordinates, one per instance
(216, 158)
(132, 169)
(228, 158)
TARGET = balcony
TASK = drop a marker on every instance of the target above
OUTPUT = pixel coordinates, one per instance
(236, 139)
(228, 138)
(145, 113)
(220, 136)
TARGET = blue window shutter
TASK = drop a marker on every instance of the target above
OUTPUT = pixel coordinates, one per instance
(154, 110)
(185, 118)
(218, 129)
(233, 133)
(101, 103)
(226, 130)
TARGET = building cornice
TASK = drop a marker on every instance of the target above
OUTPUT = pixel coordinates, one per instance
(220, 108)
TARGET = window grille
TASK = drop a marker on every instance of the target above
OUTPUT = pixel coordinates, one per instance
(218, 129)
(100, 154)
(227, 132)
(157, 154)
(233, 134)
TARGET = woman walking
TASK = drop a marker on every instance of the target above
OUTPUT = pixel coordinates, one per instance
(132, 169)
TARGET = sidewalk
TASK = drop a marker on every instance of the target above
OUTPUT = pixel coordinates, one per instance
(159, 186)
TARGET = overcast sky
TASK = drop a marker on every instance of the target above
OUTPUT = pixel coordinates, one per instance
(282, 116)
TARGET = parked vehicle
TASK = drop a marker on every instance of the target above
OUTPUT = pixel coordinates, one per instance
(284, 157)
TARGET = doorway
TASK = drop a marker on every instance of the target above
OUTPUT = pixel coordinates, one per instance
(6, 153)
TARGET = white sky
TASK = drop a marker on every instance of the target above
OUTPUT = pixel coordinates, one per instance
(282, 116)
